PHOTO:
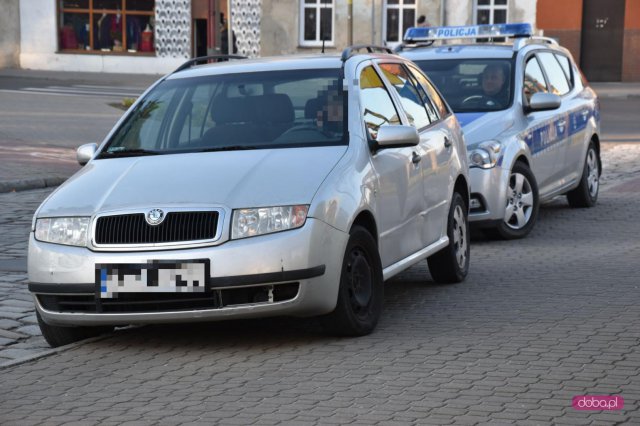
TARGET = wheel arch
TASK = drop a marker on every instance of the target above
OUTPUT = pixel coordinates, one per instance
(461, 186)
(366, 219)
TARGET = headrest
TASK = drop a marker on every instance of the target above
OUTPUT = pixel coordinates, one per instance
(312, 107)
(275, 108)
(233, 110)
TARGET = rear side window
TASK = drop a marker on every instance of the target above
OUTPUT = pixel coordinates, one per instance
(422, 84)
(411, 100)
(442, 108)
(555, 74)
(377, 106)
(533, 79)
(565, 63)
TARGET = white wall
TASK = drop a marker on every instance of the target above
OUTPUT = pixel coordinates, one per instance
(39, 43)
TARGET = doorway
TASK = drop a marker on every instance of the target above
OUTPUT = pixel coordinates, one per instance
(602, 38)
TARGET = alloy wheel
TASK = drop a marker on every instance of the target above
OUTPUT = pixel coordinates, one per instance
(519, 202)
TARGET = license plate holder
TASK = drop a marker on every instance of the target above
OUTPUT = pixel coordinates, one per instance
(154, 276)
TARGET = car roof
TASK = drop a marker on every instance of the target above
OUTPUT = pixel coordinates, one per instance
(459, 51)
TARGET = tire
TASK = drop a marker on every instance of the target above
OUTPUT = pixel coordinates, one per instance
(451, 264)
(586, 194)
(361, 291)
(523, 203)
(59, 336)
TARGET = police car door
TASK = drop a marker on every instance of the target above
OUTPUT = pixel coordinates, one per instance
(433, 142)
(540, 135)
(399, 189)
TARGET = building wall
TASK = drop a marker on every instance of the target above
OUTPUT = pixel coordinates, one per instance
(39, 45)
(631, 43)
(562, 20)
(9, 34)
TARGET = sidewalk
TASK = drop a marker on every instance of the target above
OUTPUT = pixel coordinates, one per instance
(617, 90)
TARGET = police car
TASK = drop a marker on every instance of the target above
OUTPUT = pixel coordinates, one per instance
(530, 120)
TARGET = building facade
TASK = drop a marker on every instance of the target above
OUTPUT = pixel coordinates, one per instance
(603, 36)
(155, 36)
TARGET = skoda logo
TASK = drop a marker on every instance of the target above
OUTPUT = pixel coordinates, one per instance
(155, 217)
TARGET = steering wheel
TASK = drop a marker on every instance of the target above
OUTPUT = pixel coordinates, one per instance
(481, 100)
(301, 128)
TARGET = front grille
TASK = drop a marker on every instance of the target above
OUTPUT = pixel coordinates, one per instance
(163, 302)
(177, 226)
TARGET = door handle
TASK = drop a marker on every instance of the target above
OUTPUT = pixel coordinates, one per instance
(415, 158)
(447, 142)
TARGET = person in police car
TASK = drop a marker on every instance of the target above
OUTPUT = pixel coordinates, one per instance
(493, 79)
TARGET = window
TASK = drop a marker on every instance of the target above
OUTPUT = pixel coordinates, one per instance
(316, 22)
(236, 111)
(565, 63)
(471, 85)
(124, 26)
(423, 84)
(555, 74)
(409, 97)
(491, 11)
(377, 106)
(398, 16)
(533, 79)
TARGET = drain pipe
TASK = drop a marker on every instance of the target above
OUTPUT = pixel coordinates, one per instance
(443, 5)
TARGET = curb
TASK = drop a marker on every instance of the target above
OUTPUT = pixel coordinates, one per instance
(27, 184)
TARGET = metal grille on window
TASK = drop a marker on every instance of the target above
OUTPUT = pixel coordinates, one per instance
(245, 23)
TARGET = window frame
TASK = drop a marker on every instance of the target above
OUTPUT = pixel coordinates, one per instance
(401, 6)
(403, 121)
(91, 11)
(571, 76)
(532, 56)
(491, 7)
(317, 5)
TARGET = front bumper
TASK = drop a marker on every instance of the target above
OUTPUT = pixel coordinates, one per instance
(489, 188)
(310, 257)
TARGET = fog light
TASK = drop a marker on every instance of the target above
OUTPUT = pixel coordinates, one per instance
(475, 204)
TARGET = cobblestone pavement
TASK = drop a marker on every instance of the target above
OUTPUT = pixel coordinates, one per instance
(537, 322)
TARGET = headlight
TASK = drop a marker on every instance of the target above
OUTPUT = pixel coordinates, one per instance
(265, 220)
(71, 231)
(485, 155)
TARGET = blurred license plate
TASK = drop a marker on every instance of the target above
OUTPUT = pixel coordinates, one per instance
(183, 276)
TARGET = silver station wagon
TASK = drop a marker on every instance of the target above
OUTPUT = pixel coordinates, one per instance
(252, 188)
(530, 121)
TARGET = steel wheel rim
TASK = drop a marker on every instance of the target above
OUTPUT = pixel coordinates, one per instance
(520, 201)
(359, 281)
(460, 237)
(593, 173)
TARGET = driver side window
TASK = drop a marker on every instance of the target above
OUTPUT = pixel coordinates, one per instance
(377, 106)
(533, 80)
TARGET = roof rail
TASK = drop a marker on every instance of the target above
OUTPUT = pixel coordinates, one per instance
(371, 48)
(194, 61)
(520, 43)
(407, 46)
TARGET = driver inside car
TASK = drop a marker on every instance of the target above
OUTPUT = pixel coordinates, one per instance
(493, 90)
(329, 118)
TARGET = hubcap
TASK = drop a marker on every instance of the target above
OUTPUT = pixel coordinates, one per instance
(593, 173)
(360, 284)
(460, 237)
(519, 202)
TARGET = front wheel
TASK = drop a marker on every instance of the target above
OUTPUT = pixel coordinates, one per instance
(361, 291)
(521, 211)
(59, 336)
(586, 194)
(451, 264)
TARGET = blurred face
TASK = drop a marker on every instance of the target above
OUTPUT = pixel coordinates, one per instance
(492, 80)
(332, 111)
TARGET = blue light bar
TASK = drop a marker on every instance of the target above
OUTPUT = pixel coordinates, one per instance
(418, 34)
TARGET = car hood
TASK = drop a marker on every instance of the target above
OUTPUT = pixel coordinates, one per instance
(235, 179)
(483, 126)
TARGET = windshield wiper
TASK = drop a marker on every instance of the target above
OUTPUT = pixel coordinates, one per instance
(127, 153)
(228, 148)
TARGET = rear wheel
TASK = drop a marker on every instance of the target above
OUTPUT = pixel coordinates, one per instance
(586, 194)
(59, 336)
(521, 210)
(451, 264)
(361, 291)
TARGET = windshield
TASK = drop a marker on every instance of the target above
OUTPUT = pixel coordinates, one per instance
(258, 110)
(472, 85)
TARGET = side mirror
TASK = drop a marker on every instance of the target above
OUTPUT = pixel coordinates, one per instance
(86, 152)
(544, 102)
(397, 136)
